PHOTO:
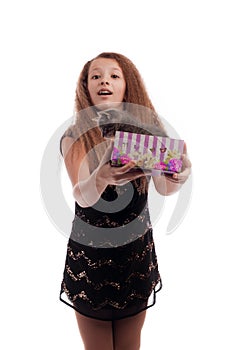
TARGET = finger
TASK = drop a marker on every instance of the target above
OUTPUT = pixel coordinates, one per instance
(185, 148)
(183, 175)
(125, 168)
(108, 153)
(135, 173)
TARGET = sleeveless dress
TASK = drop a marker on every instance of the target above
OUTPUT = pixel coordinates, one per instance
(111, 270)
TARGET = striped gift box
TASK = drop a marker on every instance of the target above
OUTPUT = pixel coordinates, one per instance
(149, 152)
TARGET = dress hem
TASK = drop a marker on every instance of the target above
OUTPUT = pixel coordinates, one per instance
(114, 318)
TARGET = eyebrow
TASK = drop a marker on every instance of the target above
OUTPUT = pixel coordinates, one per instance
(99, 69)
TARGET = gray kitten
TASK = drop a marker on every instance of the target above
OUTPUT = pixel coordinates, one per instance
(112, 120)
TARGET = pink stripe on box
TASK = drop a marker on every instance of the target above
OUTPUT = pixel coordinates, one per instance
(146, 142)
(121, 137)
(129, 141)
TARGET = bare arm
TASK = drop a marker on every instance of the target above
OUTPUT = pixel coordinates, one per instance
(87, 188)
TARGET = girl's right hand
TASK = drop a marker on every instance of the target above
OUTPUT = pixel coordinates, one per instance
(110, 175)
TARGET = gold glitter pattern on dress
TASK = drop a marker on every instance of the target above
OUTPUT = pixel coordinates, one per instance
(102, 262)
(98, 286)
(117, 305)
(102, 275)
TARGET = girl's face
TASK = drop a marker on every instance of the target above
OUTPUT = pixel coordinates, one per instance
(106, 82)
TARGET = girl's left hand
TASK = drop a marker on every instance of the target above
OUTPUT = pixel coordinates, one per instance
(186, 168)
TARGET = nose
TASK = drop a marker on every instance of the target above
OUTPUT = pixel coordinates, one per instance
(104, 82)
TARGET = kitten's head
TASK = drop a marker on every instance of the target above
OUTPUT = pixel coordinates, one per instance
(112, 120)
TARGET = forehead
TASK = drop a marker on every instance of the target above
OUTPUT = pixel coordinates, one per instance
(103, 63)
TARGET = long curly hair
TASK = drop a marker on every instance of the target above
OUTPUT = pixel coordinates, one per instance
(85, 129)
(135, 88)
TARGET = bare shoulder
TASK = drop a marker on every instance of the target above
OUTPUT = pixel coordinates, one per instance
(73, 154)
(66, 144)
(67, 139)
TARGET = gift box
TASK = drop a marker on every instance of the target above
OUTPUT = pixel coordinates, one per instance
(149, 152)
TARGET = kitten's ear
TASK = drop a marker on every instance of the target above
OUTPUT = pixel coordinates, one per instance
(103, 113)
(103, 117)
(109, 114)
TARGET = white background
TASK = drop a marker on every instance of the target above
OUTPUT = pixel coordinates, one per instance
(183, 50)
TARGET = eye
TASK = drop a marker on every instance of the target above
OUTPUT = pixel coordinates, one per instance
(115, 76)
(96, 76)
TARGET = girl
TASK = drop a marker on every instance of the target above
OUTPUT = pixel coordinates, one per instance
(111, 267)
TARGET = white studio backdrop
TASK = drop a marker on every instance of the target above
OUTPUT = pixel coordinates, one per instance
(183, 50)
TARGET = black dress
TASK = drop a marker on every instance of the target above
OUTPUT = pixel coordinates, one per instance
(111, 267)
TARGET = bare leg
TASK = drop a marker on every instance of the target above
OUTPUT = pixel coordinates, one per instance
(96, 334)
(127, 332)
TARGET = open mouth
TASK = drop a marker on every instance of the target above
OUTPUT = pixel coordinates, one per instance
(104, 92)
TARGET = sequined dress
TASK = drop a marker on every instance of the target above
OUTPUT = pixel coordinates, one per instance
(111, 266)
